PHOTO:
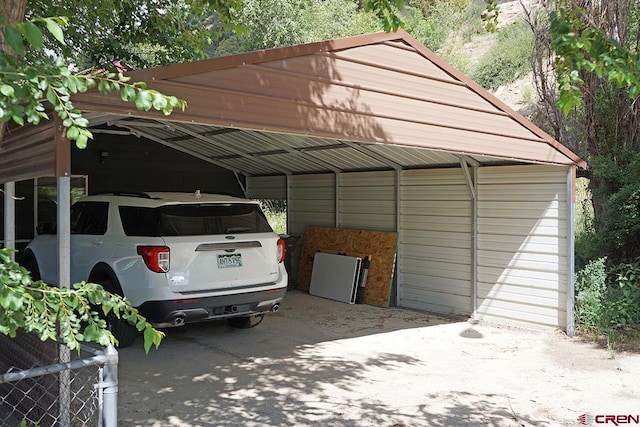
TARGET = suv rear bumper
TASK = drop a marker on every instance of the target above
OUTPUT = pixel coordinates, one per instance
(166, 314)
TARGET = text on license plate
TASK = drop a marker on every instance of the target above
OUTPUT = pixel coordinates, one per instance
(231, 260)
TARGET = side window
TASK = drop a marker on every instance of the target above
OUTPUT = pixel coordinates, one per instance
(139, 221)
(89, 218)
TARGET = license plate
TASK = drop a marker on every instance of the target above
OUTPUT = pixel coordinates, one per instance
(231, 260)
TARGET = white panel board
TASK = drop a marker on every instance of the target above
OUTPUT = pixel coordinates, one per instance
(335, 277)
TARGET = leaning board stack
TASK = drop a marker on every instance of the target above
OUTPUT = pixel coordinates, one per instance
(379, 246)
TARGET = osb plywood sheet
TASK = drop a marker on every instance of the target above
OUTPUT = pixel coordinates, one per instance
(378, 245)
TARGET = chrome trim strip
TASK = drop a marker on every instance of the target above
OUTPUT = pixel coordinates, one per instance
(227, 246)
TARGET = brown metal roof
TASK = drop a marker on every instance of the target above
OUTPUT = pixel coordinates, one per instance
(375, 101)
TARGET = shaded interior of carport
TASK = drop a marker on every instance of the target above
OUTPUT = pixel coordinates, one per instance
(373, 132)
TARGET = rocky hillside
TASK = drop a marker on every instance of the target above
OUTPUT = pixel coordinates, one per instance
(519, 94)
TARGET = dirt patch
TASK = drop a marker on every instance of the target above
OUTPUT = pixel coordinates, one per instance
(323, 363)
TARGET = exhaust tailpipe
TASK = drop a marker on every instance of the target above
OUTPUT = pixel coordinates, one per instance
(179, 320)
(275, 308)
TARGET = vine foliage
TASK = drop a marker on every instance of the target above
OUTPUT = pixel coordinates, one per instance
(74, 315)
(30, 77)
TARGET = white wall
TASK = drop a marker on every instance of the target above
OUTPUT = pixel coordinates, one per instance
(312, 202)
(267, 187)
(522, 245)
(367, 200)
(522, 235)
(435, 241)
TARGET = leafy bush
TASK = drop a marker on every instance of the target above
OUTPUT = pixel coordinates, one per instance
(431, 30)
(470, 22)
(616, 182)
(453, 52)
(276, 212)
(622, 306)
(623, 221)
(586, 241)
(608, 300)
(509, 60)
(590, 292)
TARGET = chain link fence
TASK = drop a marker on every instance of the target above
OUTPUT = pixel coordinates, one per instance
(45, 384)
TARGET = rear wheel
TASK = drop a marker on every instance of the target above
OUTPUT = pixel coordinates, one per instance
(122, 330)
(246, 322)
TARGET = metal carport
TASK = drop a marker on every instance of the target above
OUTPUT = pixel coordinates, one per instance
(376, 132)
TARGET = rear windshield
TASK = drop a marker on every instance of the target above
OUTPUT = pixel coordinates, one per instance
(193, 220)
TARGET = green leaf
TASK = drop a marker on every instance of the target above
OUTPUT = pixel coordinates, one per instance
(33, 35)
(128, 93)
(7, 90)
(148, 339)
(72, 84)
(159, 101)
(52, 97)
(18, 119)
(10, 301)
(81, 141)
(104, 87)
(82, 122)
(73, 132)
(55, 30)
(14, 40)
(143, 100)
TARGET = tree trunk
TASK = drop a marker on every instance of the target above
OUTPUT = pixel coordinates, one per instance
(14, 11)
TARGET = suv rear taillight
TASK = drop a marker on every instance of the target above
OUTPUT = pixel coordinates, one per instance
(281, 251)
(155, 257)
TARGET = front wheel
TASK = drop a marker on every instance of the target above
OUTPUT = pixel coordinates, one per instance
(246, 322)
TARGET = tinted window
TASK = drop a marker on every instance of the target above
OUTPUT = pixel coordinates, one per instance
(193, 220)
(89, 218)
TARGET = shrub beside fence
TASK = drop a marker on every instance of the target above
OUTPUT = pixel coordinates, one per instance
(38, 389)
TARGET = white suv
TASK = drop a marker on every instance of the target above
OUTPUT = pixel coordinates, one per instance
(178, 257)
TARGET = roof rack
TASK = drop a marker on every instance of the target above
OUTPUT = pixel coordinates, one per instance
(131, 194)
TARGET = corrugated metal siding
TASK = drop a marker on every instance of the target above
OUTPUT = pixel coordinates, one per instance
(435, 241)
(28, 152)
(271, 80)
(312, 202)
(382, 88)
(367, 200)
(267, 187)
(522, 245)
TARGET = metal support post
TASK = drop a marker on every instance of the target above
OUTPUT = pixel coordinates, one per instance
(10, 216)
(109, 387)
(64, 279)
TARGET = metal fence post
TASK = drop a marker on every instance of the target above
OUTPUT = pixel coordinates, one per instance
(109, 385)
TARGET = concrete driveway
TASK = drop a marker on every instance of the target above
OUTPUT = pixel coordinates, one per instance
(323, 363)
